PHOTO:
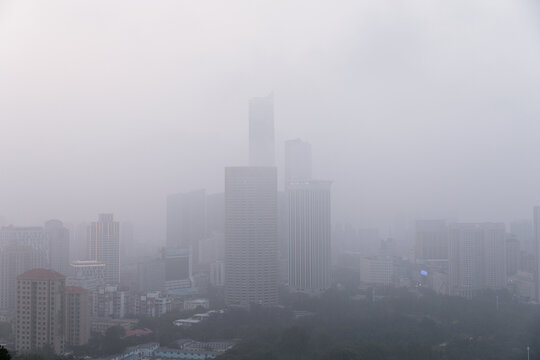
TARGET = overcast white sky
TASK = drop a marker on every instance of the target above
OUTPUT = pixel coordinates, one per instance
(418, 108)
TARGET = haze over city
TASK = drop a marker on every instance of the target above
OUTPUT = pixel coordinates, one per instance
(414, 110)
(231, 180)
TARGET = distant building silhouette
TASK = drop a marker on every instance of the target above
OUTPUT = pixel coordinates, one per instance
(251, 268)
(186, 221)
(59, 241)
(512, 255)
(523, 232)
(431, 240)
(215, 213)
(21, 249)
(104, 246)
(476, 258)
(261, 131)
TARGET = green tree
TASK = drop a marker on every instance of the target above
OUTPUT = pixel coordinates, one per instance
(4, 354)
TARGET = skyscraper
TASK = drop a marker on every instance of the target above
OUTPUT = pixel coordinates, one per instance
(186, 221)
(309, 235)
(251, 268)
(261, 131)
(58, 237)
(298, 161)
(104, 246)
(476, 258)
(40, 311)
(465, 260)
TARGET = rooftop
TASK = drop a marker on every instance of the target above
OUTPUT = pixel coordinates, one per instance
(41, 274)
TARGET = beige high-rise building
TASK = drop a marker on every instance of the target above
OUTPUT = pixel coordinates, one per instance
(40, 311)
(77, 315)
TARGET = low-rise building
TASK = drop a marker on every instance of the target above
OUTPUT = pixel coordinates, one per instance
(196, 303)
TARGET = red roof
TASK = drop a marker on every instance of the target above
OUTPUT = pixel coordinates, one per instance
(75, 290)
(40, 274)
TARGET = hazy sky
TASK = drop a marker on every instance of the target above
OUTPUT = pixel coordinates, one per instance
(417, 108)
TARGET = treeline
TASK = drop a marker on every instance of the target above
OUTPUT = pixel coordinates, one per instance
(398, 324)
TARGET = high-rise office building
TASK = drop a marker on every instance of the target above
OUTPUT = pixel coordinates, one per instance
(309, 235)
(77, 316)
(21, 249)
(40, 311)
(465, 260)
(494, 255)
(251, 267)
(476, 258)
(298, 161)
(58, 237)
(431, 240)
(261, 131)
(186, 220)
(104, 246)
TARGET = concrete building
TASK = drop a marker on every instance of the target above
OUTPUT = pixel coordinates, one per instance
(261, 131)
(377, 270)
(251, 248)
(186, 221)
(495, 255)
(77, 316)
(476, 258)
(152, 304)
(196, 303)
(40, 311)
(309, 235)
(104, 246)
(112, 301)
(88, 274)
